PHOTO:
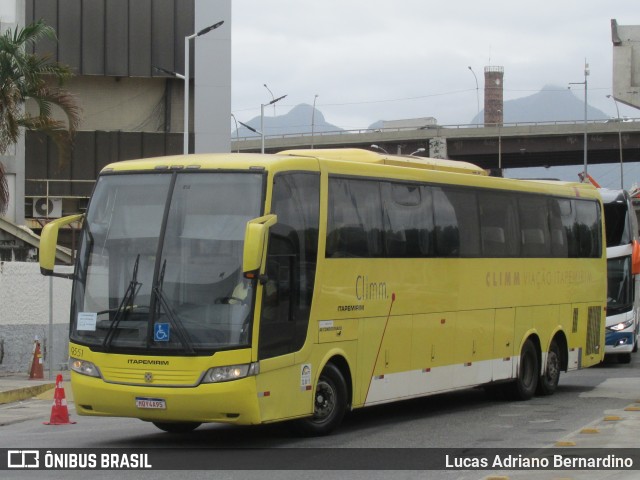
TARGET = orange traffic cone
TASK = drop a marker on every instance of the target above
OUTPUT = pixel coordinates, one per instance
(59, 410)
(36, 371)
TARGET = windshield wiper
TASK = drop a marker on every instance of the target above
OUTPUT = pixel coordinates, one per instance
(126, 305)
(174, 320)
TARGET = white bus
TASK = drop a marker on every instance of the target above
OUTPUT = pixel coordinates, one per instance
(623, 288)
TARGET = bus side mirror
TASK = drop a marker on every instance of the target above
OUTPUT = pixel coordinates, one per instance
(49, 242)
(255, 240)
(635, 258)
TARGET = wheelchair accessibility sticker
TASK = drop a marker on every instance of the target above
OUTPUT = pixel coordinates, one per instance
(161, 332)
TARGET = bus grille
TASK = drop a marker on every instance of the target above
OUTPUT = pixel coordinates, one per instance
(151, 377)
(575, 321)
(593, 330)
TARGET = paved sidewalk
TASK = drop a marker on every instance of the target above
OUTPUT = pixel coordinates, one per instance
(22, 399)
(616, 429)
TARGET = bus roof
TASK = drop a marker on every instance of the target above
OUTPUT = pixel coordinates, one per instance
(367, 156)
(350, 160)
(614, 196)
(242, 160)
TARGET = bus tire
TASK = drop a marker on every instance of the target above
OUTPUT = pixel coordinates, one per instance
(329, 404)
(548, 381)
(526, 383)
(624, 358)
(177, 427)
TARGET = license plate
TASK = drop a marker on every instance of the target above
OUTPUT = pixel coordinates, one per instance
(158, 403)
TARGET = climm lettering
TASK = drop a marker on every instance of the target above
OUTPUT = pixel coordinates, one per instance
(502, 279)
(368, 290)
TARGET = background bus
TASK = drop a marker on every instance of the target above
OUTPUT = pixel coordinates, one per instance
(248, 289)
(623, 294)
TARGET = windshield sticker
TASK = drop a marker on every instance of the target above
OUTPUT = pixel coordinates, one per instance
(87, 321)
(161, 332)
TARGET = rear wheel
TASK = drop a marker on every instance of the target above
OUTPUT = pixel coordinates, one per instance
(330, 403)
(177, 427)
(548, 381)
(525, 384)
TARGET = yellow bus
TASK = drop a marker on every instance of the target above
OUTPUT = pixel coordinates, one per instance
(246, 289)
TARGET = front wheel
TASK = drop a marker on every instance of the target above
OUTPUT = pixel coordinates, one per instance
(624, 358)
(330, 403)
(548, 381)
(526, 383)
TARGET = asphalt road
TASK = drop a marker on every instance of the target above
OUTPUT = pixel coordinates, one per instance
(465, 419)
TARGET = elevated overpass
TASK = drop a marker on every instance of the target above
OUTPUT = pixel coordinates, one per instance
(507, 146)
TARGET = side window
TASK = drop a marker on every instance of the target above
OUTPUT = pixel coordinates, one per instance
(533, 217)
(618, 223)
(456, 222)
(354, 225)
(291, 264)
(408, 220)
(558, 234)
(581, 222)
(588, 226)
(568, 219)
(499, 231)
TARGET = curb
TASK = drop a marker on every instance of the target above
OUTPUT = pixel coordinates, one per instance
(23, 393)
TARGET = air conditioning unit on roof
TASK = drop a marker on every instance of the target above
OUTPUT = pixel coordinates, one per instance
(47, 207)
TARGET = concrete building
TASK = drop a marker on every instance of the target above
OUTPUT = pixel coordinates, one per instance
(120, 51)
(626, 63)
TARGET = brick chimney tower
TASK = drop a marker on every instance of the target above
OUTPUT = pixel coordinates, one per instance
(493, 95)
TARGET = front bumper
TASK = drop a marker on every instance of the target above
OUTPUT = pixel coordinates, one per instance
(227, 402)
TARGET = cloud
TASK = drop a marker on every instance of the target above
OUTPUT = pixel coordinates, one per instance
(375, 59)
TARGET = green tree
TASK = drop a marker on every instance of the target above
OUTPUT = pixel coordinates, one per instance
(26, 76)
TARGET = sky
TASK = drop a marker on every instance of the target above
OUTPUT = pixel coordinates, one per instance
(370, 60)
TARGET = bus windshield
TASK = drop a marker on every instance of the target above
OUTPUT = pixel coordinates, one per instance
(159, 265)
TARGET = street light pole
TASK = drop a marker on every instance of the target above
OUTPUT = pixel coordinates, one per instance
(619, 140)
(187, 39)
(477, 88)
(313, 117)
(237, 134)
(262, 105)
(586, 74)
(272, 98)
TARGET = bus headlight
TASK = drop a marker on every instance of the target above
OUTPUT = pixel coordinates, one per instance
(84, 368)
(621, 326)
(231, 372)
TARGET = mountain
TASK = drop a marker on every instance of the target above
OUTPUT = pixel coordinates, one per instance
(551, 104)
(297, 120)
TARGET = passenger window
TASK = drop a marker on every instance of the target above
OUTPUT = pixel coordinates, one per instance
(354, 227)
(498, 224)
(456, 222)
(534, 226)
(408, 216)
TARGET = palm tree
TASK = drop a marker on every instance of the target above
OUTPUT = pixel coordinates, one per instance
(25, 76)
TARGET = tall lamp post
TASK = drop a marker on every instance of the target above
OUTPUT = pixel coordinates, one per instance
(272, 97)
(237, 134)
(477, 88)
(262, 105)
(187, 39)
(586, 74)
(313, 118)
(619, 139)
